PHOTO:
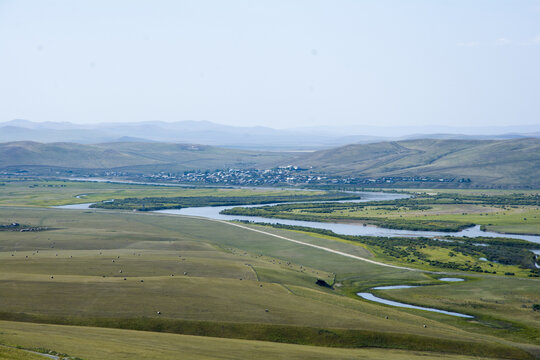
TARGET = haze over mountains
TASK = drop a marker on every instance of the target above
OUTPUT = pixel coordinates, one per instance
(208, 133)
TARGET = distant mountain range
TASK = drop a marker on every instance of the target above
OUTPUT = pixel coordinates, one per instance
(261, 138)
(488, 163)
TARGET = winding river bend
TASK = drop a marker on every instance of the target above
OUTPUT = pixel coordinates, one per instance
(371, 297)
(213, 212)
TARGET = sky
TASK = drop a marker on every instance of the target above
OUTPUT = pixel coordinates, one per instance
(282, 64)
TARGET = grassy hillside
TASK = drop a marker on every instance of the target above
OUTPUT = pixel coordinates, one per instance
(104, 344)
(489, 163)
(89, 278)
(225, 279)
(126, 154)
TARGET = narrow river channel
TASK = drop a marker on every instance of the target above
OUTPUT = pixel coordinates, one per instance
(371, 297)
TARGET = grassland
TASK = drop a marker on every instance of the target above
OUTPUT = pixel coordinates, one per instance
(484, 298)
(42, 193)
(101, 344)
(8, 353)
(230, 285)
(422, 254)
(434, 211)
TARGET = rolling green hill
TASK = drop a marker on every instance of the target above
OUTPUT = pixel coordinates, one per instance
(488, 163)
(158, 156)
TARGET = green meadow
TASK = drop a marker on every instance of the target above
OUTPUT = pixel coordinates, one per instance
(104, 284)
(104, 344)
(50, 193)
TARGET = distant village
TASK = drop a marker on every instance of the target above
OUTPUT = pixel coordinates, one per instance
(281, 175)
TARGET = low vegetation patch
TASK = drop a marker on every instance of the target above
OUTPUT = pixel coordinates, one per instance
(283, 212)
(161, 203)
(22, 228)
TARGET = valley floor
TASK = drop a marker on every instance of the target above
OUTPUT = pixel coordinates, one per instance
(99, 284)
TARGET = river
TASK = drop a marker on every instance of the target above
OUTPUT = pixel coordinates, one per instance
(371, 297)
(213, 212)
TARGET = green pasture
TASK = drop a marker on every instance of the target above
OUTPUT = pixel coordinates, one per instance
(509, 219)
(9, 353)
(485, 298)
(91, 343)
(50, 193)
(433, 253)
(189, 276)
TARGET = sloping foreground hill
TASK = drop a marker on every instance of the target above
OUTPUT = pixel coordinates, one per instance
(161, 156)
(488, 163)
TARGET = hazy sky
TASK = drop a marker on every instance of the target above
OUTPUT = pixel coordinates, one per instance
(275, 63)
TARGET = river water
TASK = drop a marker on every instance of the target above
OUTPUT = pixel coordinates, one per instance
(213, 212)
(371, 297)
